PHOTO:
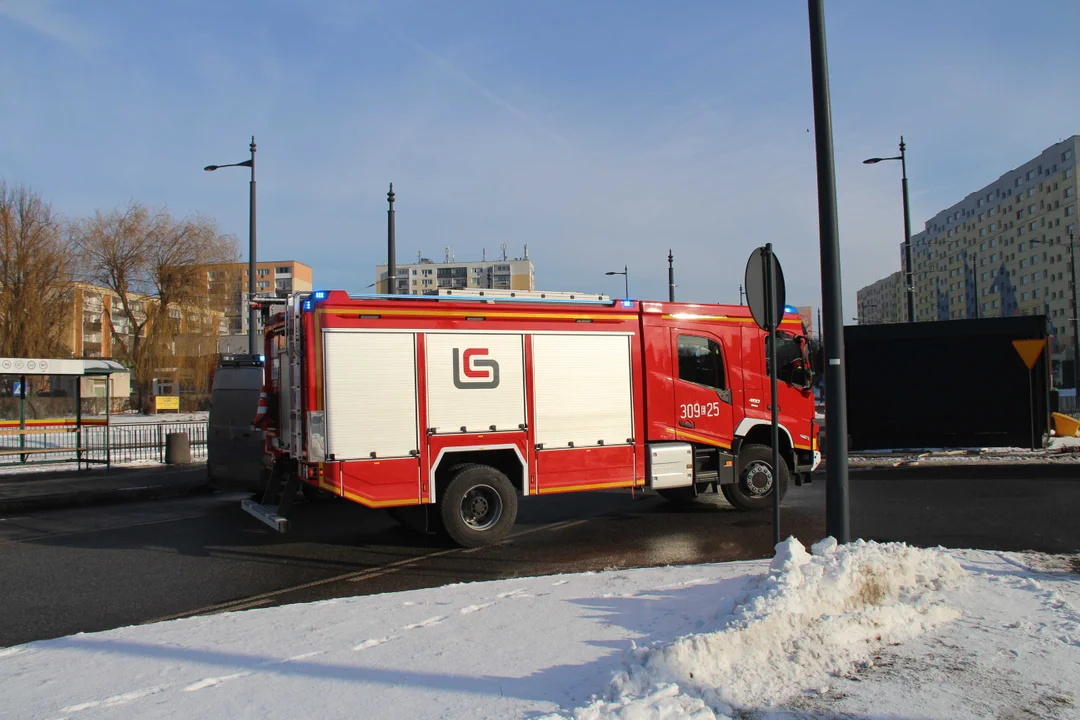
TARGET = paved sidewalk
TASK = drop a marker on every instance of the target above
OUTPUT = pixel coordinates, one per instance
(71, 488)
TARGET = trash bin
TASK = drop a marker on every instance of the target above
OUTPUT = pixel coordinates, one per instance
(177, 449)
(1064, 425)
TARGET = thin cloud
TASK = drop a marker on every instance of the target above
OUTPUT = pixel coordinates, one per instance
(468, 81)
(43, 17)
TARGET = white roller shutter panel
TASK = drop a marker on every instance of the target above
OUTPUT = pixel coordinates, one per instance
(370, 394)
(582, 390)
(475, 403)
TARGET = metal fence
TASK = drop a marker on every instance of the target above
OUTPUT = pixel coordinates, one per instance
(98, 444)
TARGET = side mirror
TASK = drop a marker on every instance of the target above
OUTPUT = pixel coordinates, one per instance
(801, 377)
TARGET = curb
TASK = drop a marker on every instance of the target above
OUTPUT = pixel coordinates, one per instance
(106, 496)
(965, 471)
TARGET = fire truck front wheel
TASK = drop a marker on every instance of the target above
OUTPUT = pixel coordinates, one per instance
(754, 486)
(478, 506)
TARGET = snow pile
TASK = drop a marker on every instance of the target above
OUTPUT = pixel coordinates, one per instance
(810, 617)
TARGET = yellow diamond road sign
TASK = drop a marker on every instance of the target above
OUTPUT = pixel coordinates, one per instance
(1029, 350)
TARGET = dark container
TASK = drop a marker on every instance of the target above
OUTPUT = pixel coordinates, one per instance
(947, 384)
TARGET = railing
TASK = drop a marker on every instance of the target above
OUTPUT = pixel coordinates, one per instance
(98, 444)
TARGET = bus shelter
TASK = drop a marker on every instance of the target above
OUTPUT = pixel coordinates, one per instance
(55, 439)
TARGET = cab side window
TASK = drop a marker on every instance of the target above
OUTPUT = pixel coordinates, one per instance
(701, 362)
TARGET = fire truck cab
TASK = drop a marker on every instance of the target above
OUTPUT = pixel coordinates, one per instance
(464, 405)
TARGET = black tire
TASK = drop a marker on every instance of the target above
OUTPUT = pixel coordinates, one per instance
(755, 482)
(683, 495)
(478, 507)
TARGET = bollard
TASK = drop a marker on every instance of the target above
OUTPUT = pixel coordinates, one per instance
(177, 449)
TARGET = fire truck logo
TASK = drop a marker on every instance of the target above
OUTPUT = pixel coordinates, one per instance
(478, 373)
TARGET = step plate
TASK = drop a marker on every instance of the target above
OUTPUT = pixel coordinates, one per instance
(265, 513)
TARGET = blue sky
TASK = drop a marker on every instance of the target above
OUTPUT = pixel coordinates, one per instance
(599, 133)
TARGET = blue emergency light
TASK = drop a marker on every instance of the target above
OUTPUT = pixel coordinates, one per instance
(307, 304)
(628, 303)
(321, 294)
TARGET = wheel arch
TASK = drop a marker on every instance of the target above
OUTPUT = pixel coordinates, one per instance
(507, 459)
(759, 432)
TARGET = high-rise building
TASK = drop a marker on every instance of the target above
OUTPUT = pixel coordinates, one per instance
(278, 276)
(1004, 250)
(426, 277)
(882, 301)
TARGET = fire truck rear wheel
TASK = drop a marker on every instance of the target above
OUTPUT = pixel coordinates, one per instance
(478, 506)
(756, 481)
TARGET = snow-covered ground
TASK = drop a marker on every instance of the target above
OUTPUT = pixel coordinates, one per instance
(863, 630)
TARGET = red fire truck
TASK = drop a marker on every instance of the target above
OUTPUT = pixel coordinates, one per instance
(459, 406)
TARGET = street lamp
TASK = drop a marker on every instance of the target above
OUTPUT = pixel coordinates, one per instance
(626, 279)
(1075, 312)
(253, 345)
(908, 276)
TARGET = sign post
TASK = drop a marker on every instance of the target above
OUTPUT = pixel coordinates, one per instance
(766, 296)
(1029, 351)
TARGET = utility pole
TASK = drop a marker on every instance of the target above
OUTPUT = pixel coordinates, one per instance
(1075, 311)
(741, 293)
(909, 276)
(670, 276)
(391, 265)
(836, 445)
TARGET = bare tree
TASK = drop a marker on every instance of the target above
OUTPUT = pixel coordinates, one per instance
(157, 268)
(35, 276)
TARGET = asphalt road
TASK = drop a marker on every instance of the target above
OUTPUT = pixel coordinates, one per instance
(88, 569)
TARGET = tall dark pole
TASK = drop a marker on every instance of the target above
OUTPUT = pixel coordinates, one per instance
(975, 282)
(819, 323)
(626, 282)
(909, 276)
(253, 312)
(836, 450)
(772, 320)
(391, 250)
(670, 276)
(1075, 311)
(741, 293)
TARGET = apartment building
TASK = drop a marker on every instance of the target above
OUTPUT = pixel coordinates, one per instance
(231, 281)
(94, 309)
(426, 277)
(882, 301)
(1004, 250)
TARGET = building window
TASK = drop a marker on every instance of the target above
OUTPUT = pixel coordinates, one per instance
(283, 270)
(1066, 155)
(1031, 193)
(262, 272)
(1068, 192)
(701, 362)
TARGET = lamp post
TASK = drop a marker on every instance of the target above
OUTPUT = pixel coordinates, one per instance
(253, 344)
(909, 283)
(1074, 314)
(670, 276)
(626, 279)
